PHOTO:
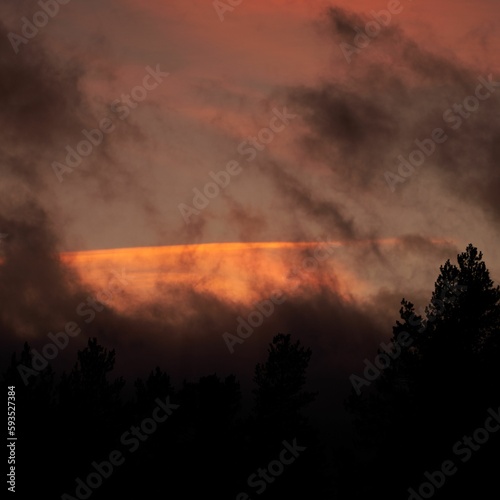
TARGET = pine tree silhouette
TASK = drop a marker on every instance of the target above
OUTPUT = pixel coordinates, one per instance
(440, 386)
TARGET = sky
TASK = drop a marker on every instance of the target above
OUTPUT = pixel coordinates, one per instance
(211, 156)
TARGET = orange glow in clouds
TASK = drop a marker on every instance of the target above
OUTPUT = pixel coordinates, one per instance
(241, 272)
(235, 272)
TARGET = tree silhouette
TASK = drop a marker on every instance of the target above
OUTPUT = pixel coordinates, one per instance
(87, 386)
(90, 407)
(279, 396)
(279, 414)
(157, 385)
(439, 387)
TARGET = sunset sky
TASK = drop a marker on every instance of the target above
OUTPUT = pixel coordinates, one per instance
(330, 124)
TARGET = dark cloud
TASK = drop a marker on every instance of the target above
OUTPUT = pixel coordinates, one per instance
(296, 195)
(42, 108)
(39, 103)
(393, 92)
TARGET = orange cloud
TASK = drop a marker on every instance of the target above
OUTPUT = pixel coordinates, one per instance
(238, 273)
(234, 272)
